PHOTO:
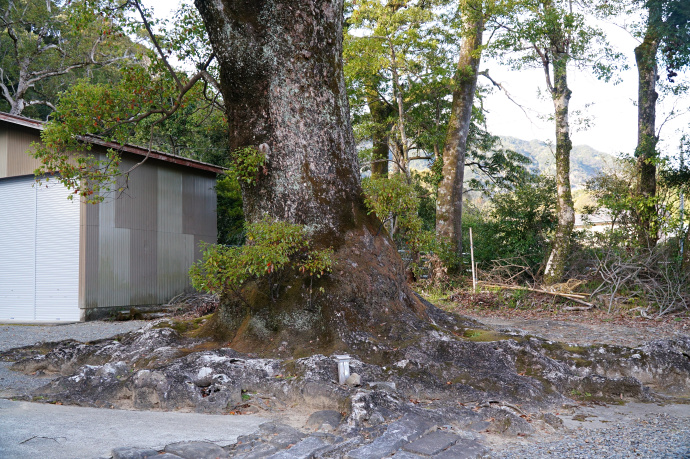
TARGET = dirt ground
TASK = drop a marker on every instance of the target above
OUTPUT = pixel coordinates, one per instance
(552, 322)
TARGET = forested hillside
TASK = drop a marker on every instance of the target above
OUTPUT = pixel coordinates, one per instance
(585, 161)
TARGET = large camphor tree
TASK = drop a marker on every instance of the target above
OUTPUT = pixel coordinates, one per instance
(281, 77)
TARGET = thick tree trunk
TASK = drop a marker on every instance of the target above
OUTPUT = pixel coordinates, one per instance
(283, 88)
(555, 267)
(449, 202)
(645, 58)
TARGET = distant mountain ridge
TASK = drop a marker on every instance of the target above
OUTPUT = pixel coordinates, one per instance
(585, 161)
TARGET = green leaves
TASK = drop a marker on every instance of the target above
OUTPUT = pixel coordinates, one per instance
(247, 164)
(270, 247)
(394, 199)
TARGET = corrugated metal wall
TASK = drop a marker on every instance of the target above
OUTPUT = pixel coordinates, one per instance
(147, 236)
(13, 140)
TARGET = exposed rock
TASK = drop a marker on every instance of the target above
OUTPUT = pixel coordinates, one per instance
(434, 390)
(324, 420)
(432, 443)
(132, 453)
(354, 380)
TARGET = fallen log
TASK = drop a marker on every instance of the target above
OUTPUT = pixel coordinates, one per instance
(568, 296)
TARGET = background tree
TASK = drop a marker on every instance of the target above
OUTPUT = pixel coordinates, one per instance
(401, 75)
(45, 44)
(665, 38)
(450, 190)
(552, 35)
(397, 71)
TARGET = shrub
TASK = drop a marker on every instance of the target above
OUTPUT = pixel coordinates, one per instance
(270, 248)
(514, 224)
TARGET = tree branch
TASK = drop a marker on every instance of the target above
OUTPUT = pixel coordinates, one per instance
(137, 5)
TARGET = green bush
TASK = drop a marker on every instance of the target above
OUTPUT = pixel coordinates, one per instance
(394, 200)
(270, 248)
(514, 224)
(230, 214)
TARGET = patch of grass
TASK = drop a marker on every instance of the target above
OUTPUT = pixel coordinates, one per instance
(482, 336)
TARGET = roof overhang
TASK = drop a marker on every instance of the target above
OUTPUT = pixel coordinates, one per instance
(136, 150)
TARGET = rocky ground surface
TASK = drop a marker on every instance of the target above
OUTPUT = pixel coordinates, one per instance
(463, 390)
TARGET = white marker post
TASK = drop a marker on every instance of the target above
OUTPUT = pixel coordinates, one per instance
(343, 368)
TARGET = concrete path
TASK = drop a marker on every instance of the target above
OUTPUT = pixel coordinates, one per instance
(70, 432)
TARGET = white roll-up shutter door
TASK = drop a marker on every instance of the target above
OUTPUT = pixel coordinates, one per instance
(17, 246)
(39, 251)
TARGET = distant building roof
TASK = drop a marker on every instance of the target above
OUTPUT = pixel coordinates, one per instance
(134, 149)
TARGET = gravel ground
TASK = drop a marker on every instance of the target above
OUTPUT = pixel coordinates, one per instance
(25, 335)
(650, 433)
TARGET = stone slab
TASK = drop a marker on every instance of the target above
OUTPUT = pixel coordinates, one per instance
(128, 452)
(305, 449)
(464, 449)
(280, 435)
(408, 429)
(324, 420)
(196, 450)
(432, 443)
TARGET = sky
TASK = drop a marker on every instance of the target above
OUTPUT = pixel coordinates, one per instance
(612, 108)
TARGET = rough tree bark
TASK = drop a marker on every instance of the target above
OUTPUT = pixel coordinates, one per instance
(283, 88)
(449, 202)
(380, 112)
(560, 94)
(645, 58)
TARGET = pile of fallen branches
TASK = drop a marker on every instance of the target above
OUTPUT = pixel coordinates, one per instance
(649, 277)
(508, 271)
(193, 304)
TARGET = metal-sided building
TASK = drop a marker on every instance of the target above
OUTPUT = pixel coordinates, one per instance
(65, 260)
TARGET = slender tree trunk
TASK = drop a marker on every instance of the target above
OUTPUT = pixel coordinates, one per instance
(380, 112)
(645, 58)
(685, 262)
(450, 190)
(404, 152)
(283, 87)
(560, 93)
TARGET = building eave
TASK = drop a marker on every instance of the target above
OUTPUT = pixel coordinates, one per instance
(134, 149)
